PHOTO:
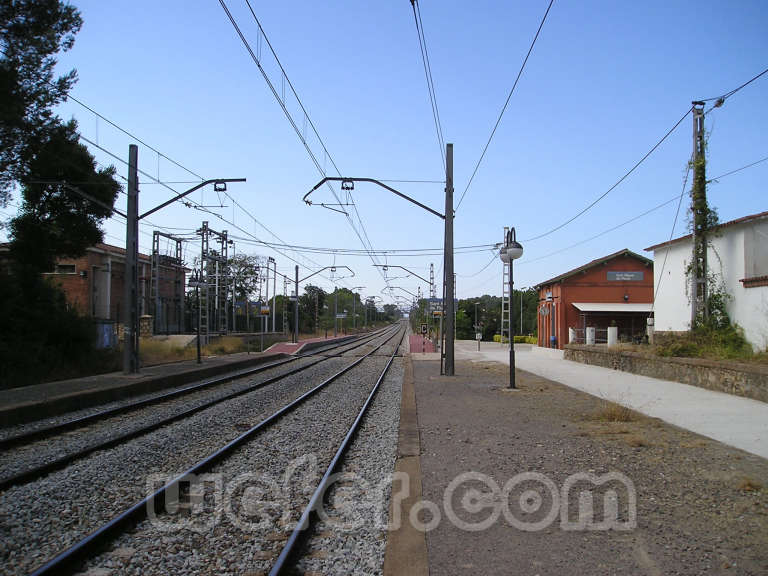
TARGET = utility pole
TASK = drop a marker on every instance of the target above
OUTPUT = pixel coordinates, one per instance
(699, 304)
(296, 309)
(131, 280)
(274, 294)
(448, 267)
(265, 321)
(335, 309)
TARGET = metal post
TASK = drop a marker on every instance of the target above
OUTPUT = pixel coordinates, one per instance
(197, 296)
(354, 324)
(234, 295)
(274, 294)
(448, 267)
(335, 309)
(131, 288)
(476, 327)
(296, 309)
(266, 320)
(511, 332)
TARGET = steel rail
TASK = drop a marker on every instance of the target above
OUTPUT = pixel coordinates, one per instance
(66, 561)
(64, 461)
(41, 433)
(282, 564)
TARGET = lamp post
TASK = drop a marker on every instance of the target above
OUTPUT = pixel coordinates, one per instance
(354, 316)
(511, 251)
(477, 325)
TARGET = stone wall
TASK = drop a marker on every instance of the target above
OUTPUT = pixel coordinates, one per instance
(749, 380)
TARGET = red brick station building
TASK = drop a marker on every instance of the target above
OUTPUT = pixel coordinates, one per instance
(616, 290)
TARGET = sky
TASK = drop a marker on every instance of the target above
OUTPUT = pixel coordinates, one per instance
(604, 83)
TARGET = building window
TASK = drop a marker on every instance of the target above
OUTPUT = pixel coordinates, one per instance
(64, 269)
(756, 254)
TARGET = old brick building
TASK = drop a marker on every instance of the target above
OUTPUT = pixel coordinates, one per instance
(93, 283)
(616, 290)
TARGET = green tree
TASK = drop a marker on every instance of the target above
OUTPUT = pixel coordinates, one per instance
(55, 220)
(246, 270)
(32, 32)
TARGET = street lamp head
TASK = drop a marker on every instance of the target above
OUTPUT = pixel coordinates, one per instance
(512, 249)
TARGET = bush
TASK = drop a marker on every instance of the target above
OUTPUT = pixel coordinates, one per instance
(42, 338)
(724, 342)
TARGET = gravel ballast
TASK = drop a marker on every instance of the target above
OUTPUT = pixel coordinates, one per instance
(286, 461)
(42, 518)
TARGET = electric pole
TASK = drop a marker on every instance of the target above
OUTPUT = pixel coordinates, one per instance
(131, 279)
(699, 304)
(296, 309)
(448, 267)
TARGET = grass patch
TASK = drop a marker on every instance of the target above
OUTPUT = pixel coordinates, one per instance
(636, 441)
(612, 412)
(749, 485)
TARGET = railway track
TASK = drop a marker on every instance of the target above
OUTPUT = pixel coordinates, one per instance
(51, 448)
(344, 384)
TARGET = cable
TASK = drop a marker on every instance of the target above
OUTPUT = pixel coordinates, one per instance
(619, 181)
(307, 119)
(481, 269)
(737, 170)
(671, 235)
(428, 75)
(501, 114)
(720, 99)
(603, 233)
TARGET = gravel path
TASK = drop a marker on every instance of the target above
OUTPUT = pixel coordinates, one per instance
(281, 465)
(41, 518)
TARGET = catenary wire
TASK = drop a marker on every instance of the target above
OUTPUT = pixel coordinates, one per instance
(362, 237)
(428, 76)
(503, 108)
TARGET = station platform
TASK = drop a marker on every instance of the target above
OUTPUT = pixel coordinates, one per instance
(489, 472)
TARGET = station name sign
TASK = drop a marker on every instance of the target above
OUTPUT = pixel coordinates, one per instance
(625, 275)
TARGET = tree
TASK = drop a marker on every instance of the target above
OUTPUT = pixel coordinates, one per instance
(246, 270)
(56, 219)
(41, 156)
(31, 33)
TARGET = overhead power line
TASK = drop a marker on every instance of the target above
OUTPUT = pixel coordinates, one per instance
(506, 103)
(430, 82)
(720, 99)
(615, 185)
(363, 237)
(716, 178)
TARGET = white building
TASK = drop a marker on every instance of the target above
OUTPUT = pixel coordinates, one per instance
(738, 255)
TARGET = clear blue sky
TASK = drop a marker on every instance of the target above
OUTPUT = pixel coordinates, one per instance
(604, 82)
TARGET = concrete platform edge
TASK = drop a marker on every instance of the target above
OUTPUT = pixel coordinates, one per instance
(406, 550)
(29, 411)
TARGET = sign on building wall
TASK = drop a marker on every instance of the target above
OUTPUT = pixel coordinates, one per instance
(625, 276)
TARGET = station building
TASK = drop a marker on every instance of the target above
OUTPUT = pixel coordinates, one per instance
(616, 290)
